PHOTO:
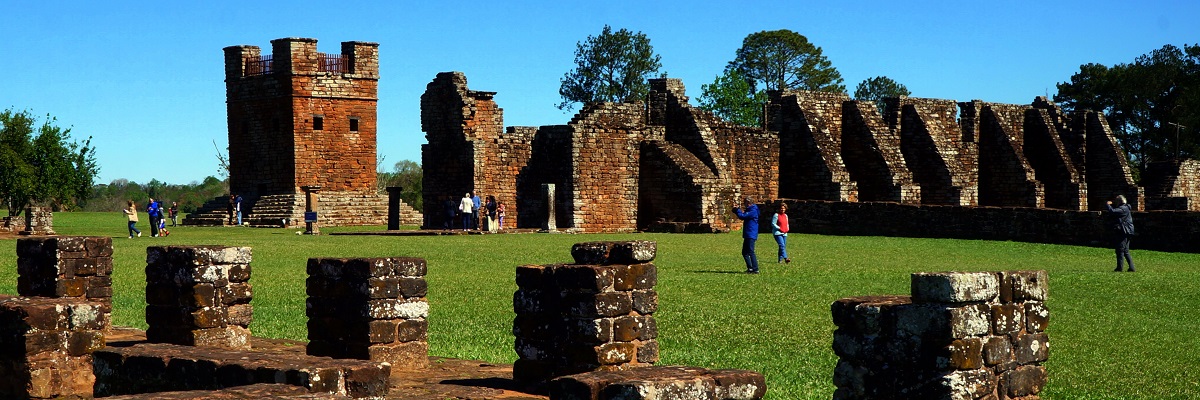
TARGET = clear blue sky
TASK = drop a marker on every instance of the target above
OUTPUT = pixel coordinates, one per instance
(146, 79)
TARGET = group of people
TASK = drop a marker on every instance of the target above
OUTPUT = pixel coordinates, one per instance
(235, 209)
(158, 225)
(1120, 226)
(485, 215)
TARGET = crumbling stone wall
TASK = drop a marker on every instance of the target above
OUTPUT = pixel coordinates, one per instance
(1005, 177)
(78, 267)
(551, 165)
(961, 335)
(1108, 173)
(872, 154)
(809, 125)
(941, 155)
(1172, 185)
(1046, 152)
(297, 118)
(38, 221)
(468, 149)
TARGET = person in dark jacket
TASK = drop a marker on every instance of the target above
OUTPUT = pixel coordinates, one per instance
(748, 213)
(1122, 228)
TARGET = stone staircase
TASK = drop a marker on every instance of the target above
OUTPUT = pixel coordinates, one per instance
(214, 212)
(276, 211)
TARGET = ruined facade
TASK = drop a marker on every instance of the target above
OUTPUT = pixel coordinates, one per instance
(1173, 185)
(665, 165)
(300, 118)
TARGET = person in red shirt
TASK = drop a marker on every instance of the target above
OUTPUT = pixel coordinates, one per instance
(779, 226)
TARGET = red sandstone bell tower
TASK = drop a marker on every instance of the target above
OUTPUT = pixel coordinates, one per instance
(299, 118)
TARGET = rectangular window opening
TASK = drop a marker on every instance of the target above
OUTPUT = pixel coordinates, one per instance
(353, 124)
(318, 122)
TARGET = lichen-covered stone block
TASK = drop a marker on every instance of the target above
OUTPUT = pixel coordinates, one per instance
(199, 295)
(67, 266)
(968, 335)
(369, 308)
(661, 383)
(46, 346)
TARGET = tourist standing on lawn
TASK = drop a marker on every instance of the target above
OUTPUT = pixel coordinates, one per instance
(475, 206)
(174, 210)
(237, 207)
(1122, 228)
(779, 227)
(231, 208)
(131, 215)
(491, 213)
(466, 206)
(500, 216)
(450, 209)
(155, 214)
(748, 213)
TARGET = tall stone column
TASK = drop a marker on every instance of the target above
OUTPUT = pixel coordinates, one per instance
(310, 209)
(393, 211)
(548, 194)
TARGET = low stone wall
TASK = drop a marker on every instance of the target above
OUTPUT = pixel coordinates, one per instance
(961, 335)
(46, 347)
(661, 383)
(1156, 230)
(199, 295)
(38, 221)
(369, 308)
(67, 266)
(594, 315)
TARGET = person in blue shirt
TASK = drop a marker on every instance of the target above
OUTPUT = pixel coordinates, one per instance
(152, 209)
(475, 204)
(748, 213)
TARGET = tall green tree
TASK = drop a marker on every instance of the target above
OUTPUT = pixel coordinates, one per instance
(768, 60)
(1152, 104)
(782, 60)
(878, 88)
(407, 175)
(43, 169)
(733, 98)
(612, 67)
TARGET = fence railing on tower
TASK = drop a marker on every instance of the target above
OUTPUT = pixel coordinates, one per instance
(333, 63)
(261, 66)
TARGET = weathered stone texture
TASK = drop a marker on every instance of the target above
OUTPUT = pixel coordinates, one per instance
(67, 266)
(660, 383)
(1172, 185)
(199, 296)
(46, 346)
(961, 335)
(596, 315)
(369, 308)
(941, 154)
(298, 118)
(809, 125)
(38, 221)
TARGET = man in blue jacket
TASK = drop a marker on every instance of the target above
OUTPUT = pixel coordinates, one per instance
(748, 213)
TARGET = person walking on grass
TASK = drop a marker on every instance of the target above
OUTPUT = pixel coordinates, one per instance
(748, 213)
(155, 214)
(1122, 230)
(174, 213)
(779, 227)
(131, 215)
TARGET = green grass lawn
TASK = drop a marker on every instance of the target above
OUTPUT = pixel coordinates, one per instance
(1113, 336)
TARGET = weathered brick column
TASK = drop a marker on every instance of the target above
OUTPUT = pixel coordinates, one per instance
(961, 335)
(594, 315)
(46, 347)
(67, 266)
(370, 309)
(199, 296)
(38, 221)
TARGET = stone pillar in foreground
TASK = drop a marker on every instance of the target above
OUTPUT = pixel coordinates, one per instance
(961, 335)
(370, 309)
(67, 266)
(46, 347)
(594, 315)
(199, 296)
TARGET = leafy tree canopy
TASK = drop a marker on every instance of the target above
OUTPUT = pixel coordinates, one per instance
(40, 165)
(407, 175)
(612, 67)
(732, 97)
(1147, 102)
(783, 60)
(878, 88)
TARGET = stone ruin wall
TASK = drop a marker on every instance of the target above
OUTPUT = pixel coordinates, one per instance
(1173, 185)
(468, 149)
(689, 165)
(275, 146)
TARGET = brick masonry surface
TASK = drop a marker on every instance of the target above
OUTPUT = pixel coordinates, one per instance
(661, 383)
(961, 335)
(594, 315)
(199, 295)
(46, 346)
(369, 308)
(67, 266)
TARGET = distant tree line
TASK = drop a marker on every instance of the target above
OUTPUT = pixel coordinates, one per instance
(113, 195)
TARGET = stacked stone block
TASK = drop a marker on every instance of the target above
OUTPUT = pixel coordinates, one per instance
(369, 308)
(38, 221)
(661, 383)
(199, 296)
(594, 315)
(46, 347)
(67, 266)
(961, 335)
